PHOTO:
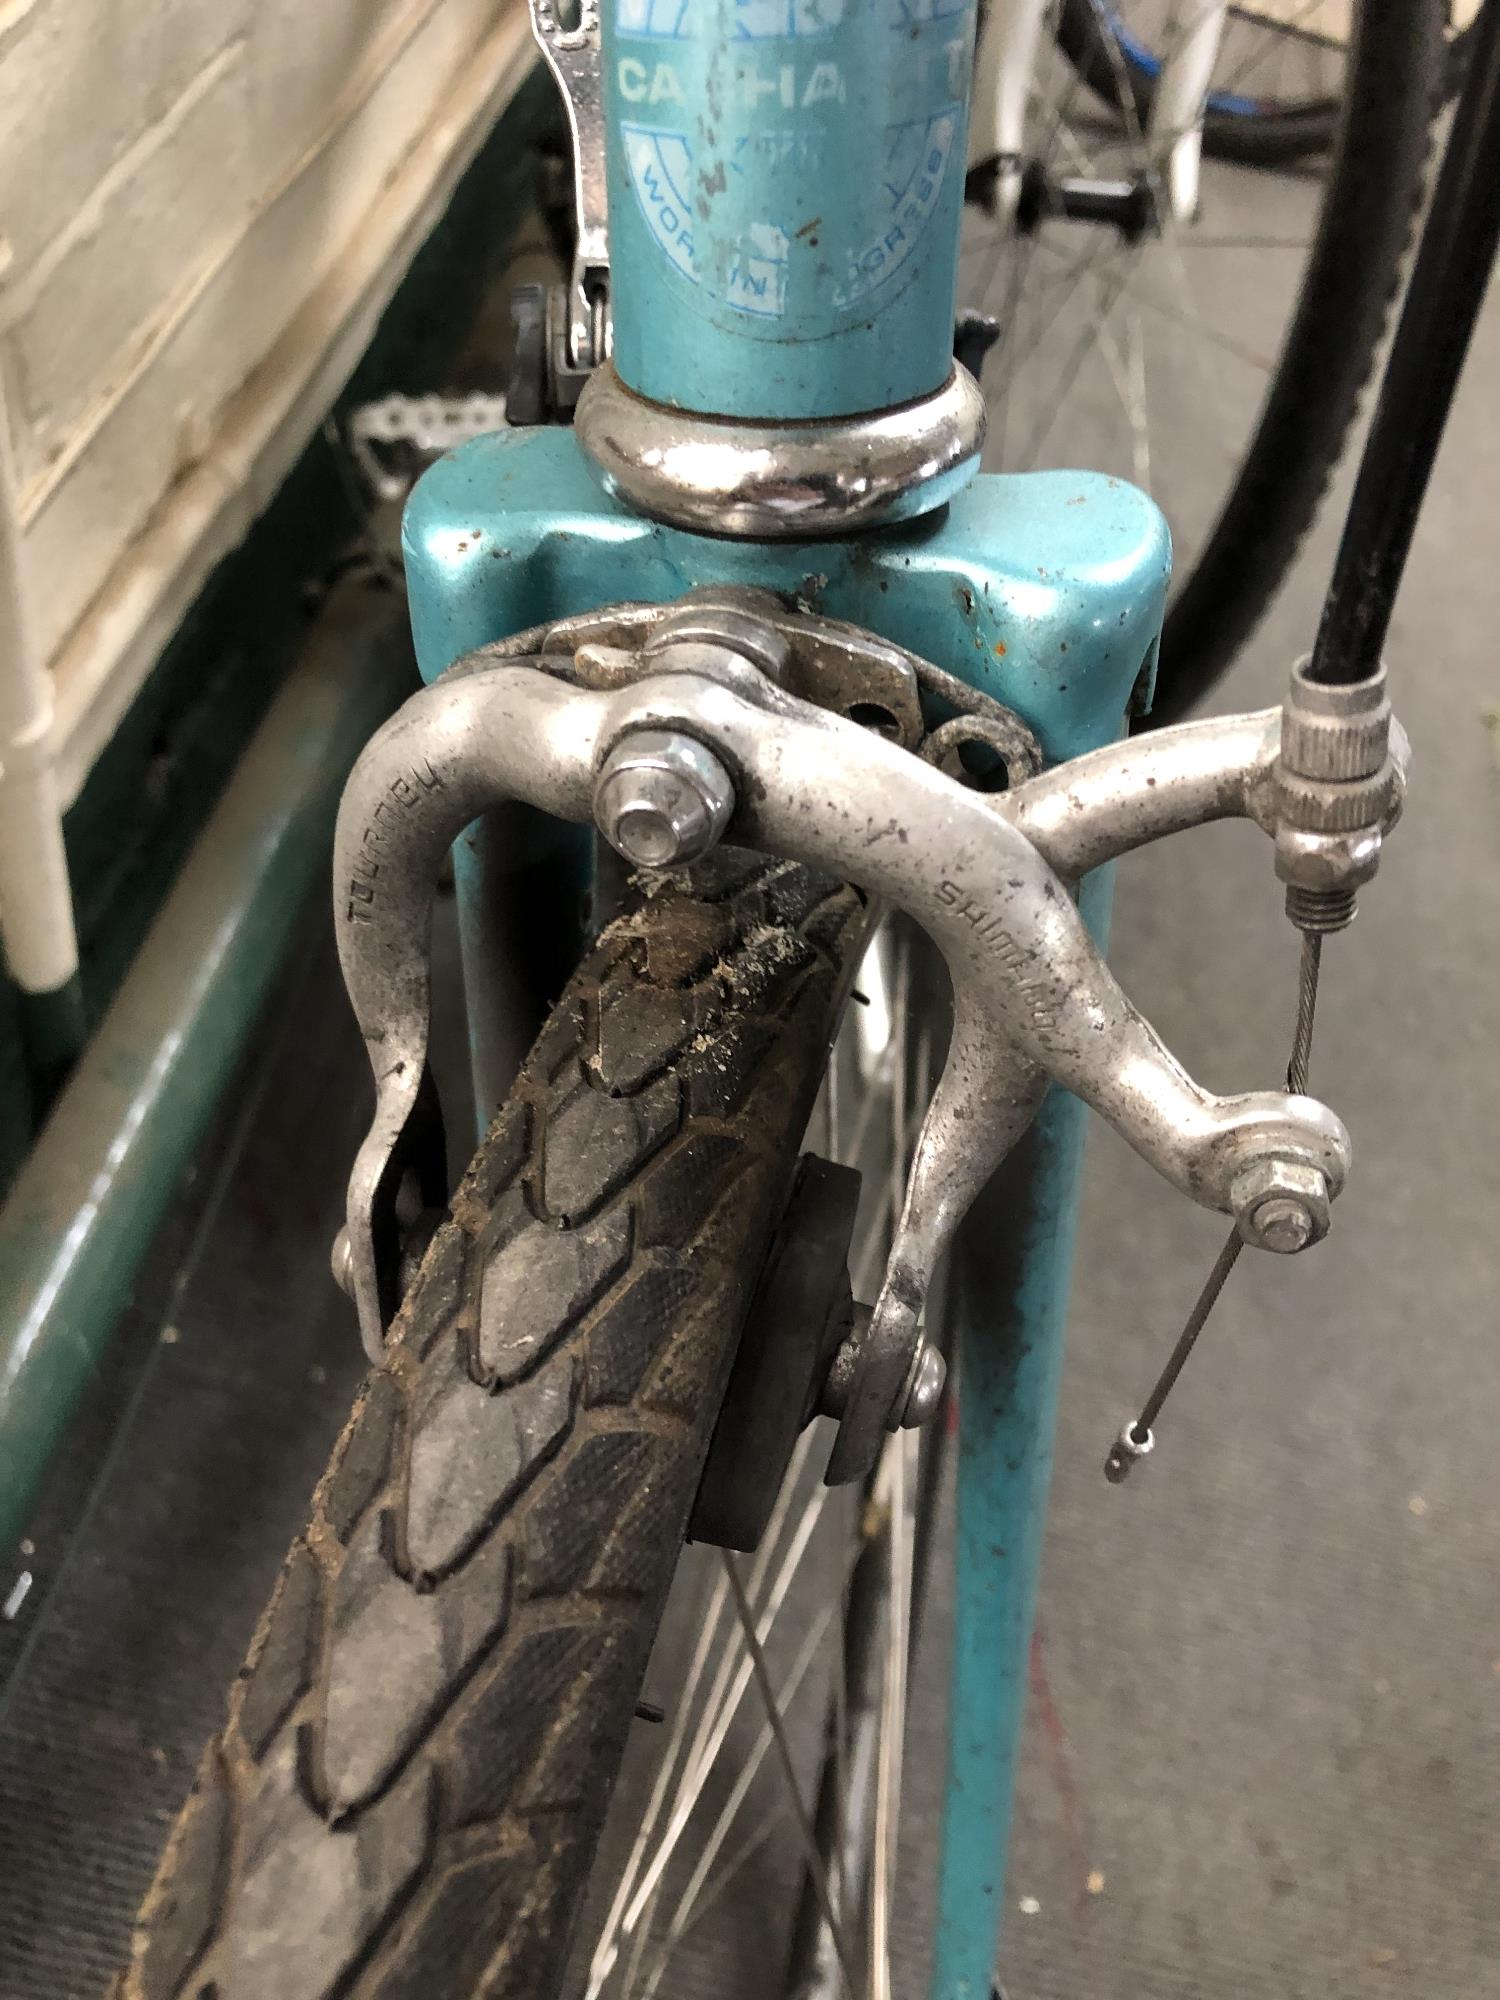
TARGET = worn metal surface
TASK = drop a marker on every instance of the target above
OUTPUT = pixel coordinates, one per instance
(783, 481)
(1043, 589)
(1340, 786)
(1033, 999)
(1262, 1703)
(572, 54)
(104, 1168)
(1044, 592)
(754, 273)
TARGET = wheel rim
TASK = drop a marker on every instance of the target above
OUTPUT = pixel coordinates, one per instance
(1280, 61)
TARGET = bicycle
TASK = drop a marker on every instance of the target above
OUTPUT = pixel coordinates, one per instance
(618, 1329)
(1274, 100)
(1116, 292)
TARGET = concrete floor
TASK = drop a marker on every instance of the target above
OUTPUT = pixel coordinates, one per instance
(1267, 1683)
(1265, 1732)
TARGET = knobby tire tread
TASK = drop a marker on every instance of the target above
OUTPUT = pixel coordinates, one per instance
(1400, 70)
(405, 1796)
(1378, 178)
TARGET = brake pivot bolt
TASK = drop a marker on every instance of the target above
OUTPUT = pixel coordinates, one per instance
(924, 1387)
(1282, 1225)
(1281, 1205)
(341, 1261)
(661, 798)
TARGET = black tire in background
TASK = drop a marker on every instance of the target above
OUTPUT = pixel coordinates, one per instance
(1400, 67)
(1373, 194)
(405, 1798)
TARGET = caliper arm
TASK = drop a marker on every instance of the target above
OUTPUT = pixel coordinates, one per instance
(450, 753)
(1033, 998)
(1102, 805)
(1099, 806)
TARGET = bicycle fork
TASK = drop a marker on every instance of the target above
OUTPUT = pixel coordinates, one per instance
(782, 382)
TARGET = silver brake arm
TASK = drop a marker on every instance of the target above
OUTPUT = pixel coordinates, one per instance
(1033, 998)
(450, 753)
(1099, 806)
(573, 56)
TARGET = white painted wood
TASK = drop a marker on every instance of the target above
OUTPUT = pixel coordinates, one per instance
(203, 206)
(36, 900)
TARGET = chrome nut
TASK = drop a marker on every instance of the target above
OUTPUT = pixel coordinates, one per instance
(661, 798)
(1327, 860)
(1129, 1448)
(735, 621)
(922, 1391)
(341, 1262)
(1281, 1205)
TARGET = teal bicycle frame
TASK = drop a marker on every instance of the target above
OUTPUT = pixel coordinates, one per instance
(785, 184)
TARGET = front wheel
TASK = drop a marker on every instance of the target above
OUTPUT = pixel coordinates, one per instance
(406, 1795)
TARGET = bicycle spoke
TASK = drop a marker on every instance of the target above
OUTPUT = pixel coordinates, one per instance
(1278, 36)
(895, 1479)
(699, 1891)
(602, 1962)
(713, 1722)
(1134, 397)
(813, 1858)
(714, 1727)
(643, 1928)
(714, 1888)
(1077, 356)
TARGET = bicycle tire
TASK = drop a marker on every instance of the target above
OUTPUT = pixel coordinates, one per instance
(1349, 285)
(1260, 132)
(405, 1796)
(1263, 132)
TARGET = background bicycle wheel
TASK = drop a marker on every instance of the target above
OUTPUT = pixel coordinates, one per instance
(1216, 362)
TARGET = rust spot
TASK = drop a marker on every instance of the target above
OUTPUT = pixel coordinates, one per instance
(999, 649)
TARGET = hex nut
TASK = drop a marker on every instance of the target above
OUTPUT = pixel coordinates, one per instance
(1283, 1225)
(661, 798)
(1327, 861)
(1281, 1205)
(341, 1262)
(922, 1391)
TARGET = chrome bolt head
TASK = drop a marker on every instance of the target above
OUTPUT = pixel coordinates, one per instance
(1283, 1226)
(661, 799)
(924, 1387)
(341, 1261)
(1281, 1205)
